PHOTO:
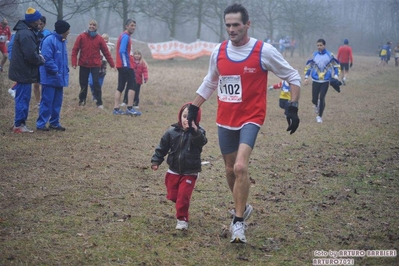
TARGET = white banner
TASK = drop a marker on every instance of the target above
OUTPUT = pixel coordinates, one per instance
(168, 50)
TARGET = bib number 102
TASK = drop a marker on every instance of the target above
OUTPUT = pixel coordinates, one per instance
(230, 89)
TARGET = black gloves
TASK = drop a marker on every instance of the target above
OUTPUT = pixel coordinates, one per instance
(351, 64)
(192, 115)
(292, 119)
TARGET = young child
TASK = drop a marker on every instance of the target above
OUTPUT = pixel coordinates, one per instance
(141, 70)
(183, 147)
(285, 94)
(103, 69)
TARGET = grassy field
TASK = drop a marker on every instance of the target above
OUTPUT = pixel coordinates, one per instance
(87, 196)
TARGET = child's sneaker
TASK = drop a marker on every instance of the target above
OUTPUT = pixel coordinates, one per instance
(181, 225)
(11, 92)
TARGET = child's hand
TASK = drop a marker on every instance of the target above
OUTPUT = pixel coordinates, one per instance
(154, 167)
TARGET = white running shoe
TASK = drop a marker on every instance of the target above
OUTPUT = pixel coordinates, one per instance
(319, 119)
(11, 92)
(181, 225)
(247, 212)
(22, 129)
(238, 233)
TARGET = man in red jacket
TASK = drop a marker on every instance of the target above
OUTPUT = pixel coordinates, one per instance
(345, 59)
(89, 44)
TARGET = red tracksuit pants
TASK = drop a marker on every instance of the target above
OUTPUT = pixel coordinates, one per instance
(179, 190)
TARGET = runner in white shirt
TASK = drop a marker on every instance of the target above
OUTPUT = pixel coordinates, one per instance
(238, 69)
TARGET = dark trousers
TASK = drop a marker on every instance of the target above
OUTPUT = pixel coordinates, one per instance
(136, 99)
(283, 103)
(319, 92)
(84, 73)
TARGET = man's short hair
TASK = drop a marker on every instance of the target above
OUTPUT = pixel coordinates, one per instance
(128, 21)
(322, 41)
(237, 8)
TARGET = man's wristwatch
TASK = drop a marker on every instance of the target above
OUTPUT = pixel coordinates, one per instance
(295, 104)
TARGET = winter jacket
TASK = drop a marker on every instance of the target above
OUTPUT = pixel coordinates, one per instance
(322, 66)
(182, 147)
(89, 49)
(141, 71)
(55, 71)
(25, 60)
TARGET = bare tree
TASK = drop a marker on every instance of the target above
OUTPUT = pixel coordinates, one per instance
(171, 12)
(394, 7)
(214, 18)
(8, 9)
(66, 9)
(199, 8)
(267, 13)
(124, 8)
(307, 21)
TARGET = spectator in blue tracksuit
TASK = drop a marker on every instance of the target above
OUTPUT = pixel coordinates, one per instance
(321, 68)
(54, 76)
(24, 66)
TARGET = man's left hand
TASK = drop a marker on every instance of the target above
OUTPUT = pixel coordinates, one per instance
(292, 119)
(192, 115)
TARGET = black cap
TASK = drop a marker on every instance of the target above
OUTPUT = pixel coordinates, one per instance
(61, 26)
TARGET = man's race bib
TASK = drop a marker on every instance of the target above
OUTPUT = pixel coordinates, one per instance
(230, 89)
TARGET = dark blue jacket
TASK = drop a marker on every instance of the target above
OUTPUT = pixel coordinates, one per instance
(25, 60)
(55, 71)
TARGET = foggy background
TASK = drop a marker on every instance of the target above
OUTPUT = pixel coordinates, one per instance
(366, 23)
